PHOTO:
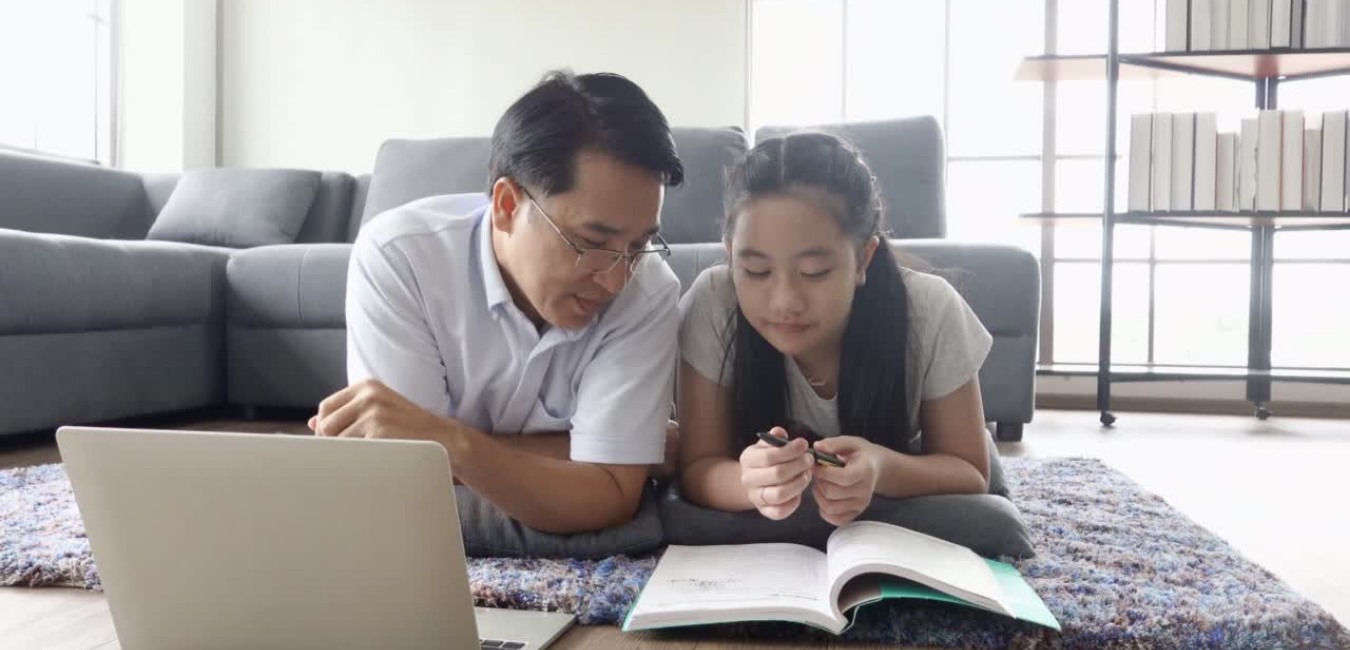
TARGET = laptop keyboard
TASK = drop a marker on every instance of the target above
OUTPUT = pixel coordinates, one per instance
(492, 644)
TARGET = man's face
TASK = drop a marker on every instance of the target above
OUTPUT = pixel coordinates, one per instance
(611, 205)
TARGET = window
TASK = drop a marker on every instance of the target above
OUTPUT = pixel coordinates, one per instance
(1181, 295)
(56, 77)
(881, 59)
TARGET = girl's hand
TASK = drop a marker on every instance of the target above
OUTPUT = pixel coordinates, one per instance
(842, 493)
(775, 477)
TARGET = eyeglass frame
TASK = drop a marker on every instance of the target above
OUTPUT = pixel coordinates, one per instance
(663, 251)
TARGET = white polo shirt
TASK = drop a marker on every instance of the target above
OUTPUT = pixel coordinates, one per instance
(429, 315)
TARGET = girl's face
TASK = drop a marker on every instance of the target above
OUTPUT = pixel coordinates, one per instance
(795, 272)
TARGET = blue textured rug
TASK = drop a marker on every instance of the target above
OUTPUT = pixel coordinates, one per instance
(1118, 567)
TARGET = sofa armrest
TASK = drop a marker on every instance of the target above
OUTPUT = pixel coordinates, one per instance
(1002, 284)
(48, 195)
(295, 286)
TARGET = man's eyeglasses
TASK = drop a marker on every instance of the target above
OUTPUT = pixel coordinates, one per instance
(603, 260)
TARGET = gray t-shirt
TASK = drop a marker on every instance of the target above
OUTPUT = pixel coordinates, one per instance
(947, 345)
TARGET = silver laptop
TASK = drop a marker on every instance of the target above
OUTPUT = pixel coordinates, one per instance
(229, 540)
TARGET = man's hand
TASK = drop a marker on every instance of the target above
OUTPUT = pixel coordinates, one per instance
(370, 409)
(842, 493)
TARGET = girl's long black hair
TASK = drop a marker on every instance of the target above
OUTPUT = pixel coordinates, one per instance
(872, 400)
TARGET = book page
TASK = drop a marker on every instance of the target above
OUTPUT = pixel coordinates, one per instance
(750, 576)
(869, 546)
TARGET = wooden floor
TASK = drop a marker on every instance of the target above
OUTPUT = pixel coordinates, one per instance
(1277, 490)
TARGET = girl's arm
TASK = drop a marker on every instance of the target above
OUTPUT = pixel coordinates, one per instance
(716, 474)
(710, 475)
(955, 459)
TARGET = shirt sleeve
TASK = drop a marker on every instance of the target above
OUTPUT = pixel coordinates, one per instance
(956, 342)
(388, 337)
(704, 314)
(623, 400)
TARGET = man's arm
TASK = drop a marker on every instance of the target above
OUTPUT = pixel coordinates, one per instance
(544, 492)
(620, 427)
(590, 480)
(525, 480)
(388, 337)
(558, 445)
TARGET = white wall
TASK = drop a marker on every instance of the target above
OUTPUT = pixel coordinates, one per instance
(317, 84)
(166, 84)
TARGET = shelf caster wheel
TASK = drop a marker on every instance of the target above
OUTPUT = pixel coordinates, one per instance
(1108, 419)
(1262, 413)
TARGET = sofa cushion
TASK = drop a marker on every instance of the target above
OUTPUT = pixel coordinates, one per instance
(693, 211)
(237, 208)
(296, 286)
(908, 159)
(60, 283)
(407, 170)
(990, 524)
(40, 194)
(488, 532)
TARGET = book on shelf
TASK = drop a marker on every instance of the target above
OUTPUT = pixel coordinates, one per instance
(1315, 32)
(1183, 161)
(1175, 39)
(1201, 24)
(1225, 173)
(1291, 161)
(1242, 25)
(1298, 24)
(1333, 161)
(1206, 161)
(1280, 13)
(1160, 197)
(1258, 23)
(1247, 165)
(1268, 139)
(1238, 31)
(1312, 169)
(864, 562)
(1218, 27)
(1327, 23)
(1141, 142)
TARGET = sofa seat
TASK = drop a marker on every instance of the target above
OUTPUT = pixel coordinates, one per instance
(285, 324)
(94, 330)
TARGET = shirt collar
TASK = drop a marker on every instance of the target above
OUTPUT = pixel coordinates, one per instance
(494, 287)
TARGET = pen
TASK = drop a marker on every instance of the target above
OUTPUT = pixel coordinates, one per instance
(822, 458)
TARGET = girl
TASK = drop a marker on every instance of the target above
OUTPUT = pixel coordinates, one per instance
(813, 324)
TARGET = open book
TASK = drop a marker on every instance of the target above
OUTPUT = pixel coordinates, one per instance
(865, 562)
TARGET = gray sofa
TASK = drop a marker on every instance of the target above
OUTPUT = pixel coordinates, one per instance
(97, 323)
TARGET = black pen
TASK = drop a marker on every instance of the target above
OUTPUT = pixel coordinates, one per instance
(822, 458)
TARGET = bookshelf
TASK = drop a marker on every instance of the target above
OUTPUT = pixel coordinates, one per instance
(1265, 69)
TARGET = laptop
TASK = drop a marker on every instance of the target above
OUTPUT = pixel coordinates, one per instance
(233, 540)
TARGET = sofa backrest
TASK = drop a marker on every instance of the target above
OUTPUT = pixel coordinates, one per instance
(407, 170)
(47, 195)
(358, 206)
(328, 214)
(693, 211)
(908, 159)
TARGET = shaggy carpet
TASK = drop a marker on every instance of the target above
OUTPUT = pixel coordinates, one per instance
(1118, 567)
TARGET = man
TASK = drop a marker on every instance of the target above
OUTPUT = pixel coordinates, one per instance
(531, 331)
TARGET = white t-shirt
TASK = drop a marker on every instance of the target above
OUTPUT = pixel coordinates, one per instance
(947, 345)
